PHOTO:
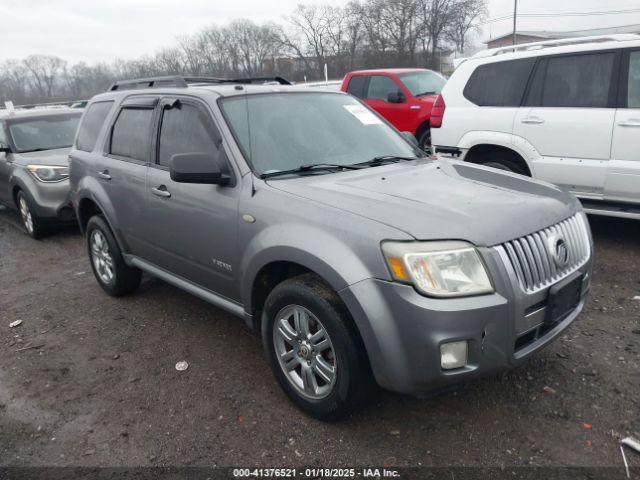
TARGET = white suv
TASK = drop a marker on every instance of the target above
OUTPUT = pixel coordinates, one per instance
(565, 111)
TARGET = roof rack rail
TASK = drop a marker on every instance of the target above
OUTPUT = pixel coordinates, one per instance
(620, 37)
(184, 82)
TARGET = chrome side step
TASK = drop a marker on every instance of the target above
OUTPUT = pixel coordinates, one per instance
(206, 295)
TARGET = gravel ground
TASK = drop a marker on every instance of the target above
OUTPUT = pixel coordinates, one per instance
(88, 380)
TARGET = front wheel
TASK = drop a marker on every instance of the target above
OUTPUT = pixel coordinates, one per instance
(32, 224)
(313, 348)
(113, 274)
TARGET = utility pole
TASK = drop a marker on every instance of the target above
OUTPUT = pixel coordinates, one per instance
(515, 16)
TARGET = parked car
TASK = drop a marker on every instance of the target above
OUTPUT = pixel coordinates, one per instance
(356, 256)
(403, 96)
(564, 111)
(34, 145)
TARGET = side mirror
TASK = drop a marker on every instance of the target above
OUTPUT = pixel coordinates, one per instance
(396, 97)
(196, 168)
(408, 136)
(4, 148)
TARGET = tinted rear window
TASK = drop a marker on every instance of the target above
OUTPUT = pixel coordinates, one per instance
(91, 125)
(578, 80)
(500, 84)
(356, 86)
(131, 133)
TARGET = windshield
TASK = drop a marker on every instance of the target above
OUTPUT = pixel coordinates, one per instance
(44, 133)
(284, 131)
(420, 83)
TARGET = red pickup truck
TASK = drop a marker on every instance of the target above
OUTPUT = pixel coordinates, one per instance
(404, 96)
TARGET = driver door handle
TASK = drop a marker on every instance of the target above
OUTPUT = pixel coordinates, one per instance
(161, 191)
(104, 175)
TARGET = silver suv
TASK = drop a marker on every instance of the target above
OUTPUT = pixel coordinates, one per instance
(360, 260)
(34, 170)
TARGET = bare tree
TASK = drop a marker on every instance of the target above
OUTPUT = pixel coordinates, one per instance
(44, 70)
(464, 18)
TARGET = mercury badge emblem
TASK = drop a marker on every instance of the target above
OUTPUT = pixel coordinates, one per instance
(559, 250)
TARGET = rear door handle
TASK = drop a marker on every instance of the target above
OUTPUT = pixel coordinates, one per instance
(632, 122)
(534, 120)
(161, 191)
(104, 175)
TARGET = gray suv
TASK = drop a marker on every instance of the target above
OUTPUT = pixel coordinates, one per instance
(34, 170)
(360, 260)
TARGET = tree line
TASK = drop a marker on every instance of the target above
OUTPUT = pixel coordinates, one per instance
(362, 34)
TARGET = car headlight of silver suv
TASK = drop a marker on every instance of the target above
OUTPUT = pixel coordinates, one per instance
(438, 269)
(49, 173)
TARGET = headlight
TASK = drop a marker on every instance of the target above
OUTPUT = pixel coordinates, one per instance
(439, 269)
(49, 173)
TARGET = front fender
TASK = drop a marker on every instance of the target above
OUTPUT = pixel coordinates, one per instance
(317, 250)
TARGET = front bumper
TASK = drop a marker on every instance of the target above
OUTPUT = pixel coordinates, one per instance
(49, 200)
(402, 330)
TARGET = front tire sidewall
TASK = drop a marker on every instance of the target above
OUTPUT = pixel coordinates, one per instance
(126, 279)
(342, 398)
(38, 230)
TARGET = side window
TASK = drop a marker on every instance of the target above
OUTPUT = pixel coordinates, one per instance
(131, 133)
(356, 86)
(186, 129)
(500, 84)
(380, 87)
(633, 93)
(578, 80)
(91, 125)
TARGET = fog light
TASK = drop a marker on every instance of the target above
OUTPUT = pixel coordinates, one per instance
(453, 355)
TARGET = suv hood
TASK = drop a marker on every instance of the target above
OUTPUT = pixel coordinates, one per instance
(438, 200)
(57, 157)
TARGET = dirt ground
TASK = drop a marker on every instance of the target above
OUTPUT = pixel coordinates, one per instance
(89, 380)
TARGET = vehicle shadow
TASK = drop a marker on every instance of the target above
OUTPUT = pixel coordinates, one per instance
(611, 230)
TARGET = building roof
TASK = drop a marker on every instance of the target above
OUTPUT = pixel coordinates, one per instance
(551, 34)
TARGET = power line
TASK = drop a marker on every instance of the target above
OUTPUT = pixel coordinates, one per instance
(560, 14)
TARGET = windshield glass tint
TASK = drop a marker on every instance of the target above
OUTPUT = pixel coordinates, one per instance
(422, 82)
(44, 133)
(283, 131)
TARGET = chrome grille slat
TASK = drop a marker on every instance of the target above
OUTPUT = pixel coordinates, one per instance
(533, 261)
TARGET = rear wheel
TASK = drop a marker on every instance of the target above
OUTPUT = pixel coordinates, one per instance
(502, 161)
(425, 141)
(32, 224)
(113, 274)
(312, 348)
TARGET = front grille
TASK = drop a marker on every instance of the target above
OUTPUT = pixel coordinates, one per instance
(535, 257)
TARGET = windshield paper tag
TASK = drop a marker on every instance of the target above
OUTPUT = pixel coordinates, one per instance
(362, 114)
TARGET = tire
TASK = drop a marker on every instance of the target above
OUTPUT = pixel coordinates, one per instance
(113, 274)
(30, 221)
(424, 142)
(338, 355)
(503, 161)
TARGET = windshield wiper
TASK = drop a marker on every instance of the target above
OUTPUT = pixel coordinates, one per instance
(425, 93)
(385, 159)
(308, 168)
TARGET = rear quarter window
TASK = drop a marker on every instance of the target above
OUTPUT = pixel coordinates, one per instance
(356, 86)
(91, 125)
(500, 84)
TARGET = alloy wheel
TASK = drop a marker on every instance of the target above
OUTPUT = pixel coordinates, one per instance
(25, 213)
(305, 352)
(101, 257)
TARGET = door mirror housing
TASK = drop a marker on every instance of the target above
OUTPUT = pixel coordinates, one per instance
(409, 137)
(396, 97)
(4, 148)
(197, 168)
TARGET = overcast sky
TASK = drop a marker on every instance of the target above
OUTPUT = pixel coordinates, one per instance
(102, 30)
